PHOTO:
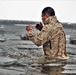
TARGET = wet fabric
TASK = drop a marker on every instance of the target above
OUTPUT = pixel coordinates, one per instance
(52, 37)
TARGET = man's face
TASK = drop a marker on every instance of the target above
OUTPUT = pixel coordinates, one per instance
(44, 17)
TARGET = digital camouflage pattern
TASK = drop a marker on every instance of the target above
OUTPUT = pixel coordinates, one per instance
(52, 37)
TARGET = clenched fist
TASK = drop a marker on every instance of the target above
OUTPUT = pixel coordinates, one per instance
(29, 27)
(39, 26)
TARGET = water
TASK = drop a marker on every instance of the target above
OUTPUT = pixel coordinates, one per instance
(22, 57)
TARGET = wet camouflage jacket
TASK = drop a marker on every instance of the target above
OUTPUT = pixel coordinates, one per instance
(52, 37)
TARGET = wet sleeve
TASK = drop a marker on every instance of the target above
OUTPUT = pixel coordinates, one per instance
(40, 38)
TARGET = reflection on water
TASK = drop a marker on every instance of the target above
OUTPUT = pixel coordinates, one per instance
(21, 57)
(52, 70)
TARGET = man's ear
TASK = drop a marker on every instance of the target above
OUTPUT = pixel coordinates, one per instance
(47, 15)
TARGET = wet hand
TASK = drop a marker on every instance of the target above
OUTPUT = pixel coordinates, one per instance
(39, 26)
(29, 27)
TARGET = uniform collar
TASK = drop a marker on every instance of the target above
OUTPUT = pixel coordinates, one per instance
(51, 19)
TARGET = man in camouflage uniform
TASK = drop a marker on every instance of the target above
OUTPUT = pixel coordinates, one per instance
(51, 36)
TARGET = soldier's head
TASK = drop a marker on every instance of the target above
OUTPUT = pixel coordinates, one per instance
(46, 12)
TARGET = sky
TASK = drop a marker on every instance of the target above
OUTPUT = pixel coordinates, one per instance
(30, 10)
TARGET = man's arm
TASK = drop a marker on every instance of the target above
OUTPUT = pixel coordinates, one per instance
(41, 38)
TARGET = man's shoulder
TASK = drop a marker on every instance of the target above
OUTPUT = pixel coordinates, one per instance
(58, 24)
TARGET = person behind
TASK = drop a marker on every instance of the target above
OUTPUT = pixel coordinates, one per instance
(51, 35)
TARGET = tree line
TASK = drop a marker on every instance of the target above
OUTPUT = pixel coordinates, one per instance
(11, 22)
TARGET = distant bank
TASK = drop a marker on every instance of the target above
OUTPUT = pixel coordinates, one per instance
(11, 22)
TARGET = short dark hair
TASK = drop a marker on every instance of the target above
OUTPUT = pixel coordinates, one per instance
(48, 10)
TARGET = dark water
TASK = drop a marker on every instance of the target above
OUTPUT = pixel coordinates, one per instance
(22, 57)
